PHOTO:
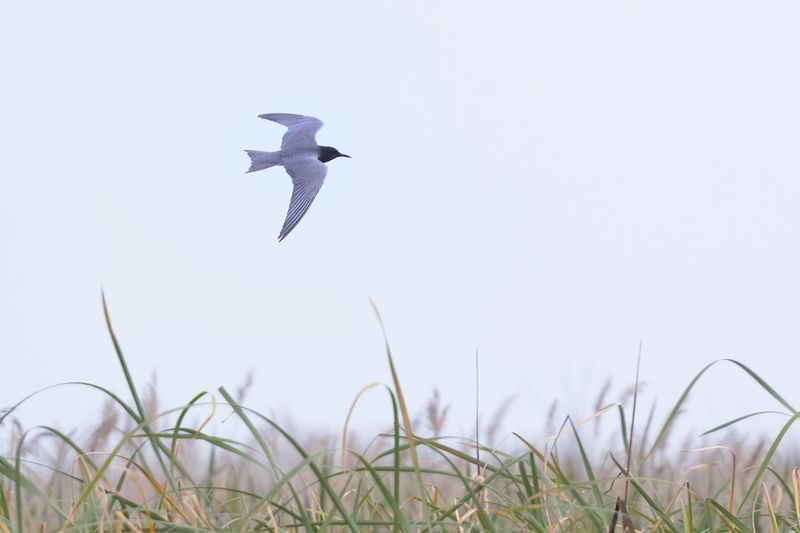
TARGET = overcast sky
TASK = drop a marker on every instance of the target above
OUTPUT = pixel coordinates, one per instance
(547, 182)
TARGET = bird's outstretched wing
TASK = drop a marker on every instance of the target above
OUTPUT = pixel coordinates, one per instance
(302, 129)
(308, 174)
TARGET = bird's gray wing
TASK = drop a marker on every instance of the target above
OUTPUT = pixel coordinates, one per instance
(308, 174)
(302, 129)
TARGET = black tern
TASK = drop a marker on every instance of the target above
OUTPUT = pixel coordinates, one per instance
(303, 159)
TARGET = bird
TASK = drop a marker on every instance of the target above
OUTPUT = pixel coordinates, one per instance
(303, 159)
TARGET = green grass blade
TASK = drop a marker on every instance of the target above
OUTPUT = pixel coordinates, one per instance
(739, 419)
(765, 462)
(406, 418)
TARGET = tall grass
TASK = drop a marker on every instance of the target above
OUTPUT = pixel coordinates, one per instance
(143, 470)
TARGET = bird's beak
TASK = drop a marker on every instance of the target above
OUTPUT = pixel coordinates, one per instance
(345, 155)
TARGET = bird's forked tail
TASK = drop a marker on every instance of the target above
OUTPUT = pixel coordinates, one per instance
(262, 160)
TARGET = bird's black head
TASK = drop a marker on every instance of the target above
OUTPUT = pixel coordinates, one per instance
(329, 153)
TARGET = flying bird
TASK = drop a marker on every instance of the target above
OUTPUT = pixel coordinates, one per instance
(302, 158)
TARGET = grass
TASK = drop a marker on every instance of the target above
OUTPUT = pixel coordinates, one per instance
(148, 471)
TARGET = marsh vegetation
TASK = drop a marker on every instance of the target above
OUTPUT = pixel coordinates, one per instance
(144, 468)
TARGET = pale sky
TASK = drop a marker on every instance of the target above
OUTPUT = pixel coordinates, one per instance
(547, 182)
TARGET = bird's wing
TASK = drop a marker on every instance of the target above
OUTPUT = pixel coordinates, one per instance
(308, 174)
(302, 130)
